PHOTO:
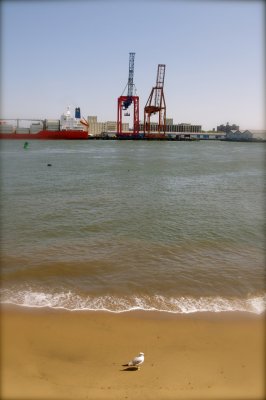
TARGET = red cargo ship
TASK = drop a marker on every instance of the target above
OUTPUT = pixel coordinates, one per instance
(67, 128)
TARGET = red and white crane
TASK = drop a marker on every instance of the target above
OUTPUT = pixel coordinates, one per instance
(124, 102)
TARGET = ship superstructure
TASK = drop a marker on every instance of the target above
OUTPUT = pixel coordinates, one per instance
(67, 127)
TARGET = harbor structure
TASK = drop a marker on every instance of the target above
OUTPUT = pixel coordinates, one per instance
(99, 128)
(156, 104)
(124, 102)
(239, 136)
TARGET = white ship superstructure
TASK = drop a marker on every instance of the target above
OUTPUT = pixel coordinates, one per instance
(68, 122)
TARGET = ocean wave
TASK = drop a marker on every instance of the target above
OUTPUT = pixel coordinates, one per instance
(176, 305)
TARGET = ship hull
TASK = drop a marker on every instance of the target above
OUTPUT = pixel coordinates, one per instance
(70, 134)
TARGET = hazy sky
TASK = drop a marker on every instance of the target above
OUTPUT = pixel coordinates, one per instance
(60, 53)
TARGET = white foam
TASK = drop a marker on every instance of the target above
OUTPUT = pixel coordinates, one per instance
(182, 305)
(258, 304)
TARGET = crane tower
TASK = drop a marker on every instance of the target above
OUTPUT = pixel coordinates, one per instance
(124, 102)
(156, 103)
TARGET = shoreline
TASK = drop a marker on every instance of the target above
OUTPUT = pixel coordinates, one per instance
(140, 313)
(59, 354)
(121, 304)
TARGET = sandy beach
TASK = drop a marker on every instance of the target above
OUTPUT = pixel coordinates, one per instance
(49, 354)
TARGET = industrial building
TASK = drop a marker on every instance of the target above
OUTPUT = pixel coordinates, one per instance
(238, 135)
(173, 128)
(98, 128)
(227, 128)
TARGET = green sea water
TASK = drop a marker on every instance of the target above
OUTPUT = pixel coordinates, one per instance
(122, 225)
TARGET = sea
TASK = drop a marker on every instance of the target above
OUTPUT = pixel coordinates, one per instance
(176, 227)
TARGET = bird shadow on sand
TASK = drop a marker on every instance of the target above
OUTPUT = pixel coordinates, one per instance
(129, 368)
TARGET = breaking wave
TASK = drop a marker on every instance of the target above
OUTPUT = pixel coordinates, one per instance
(179, 305)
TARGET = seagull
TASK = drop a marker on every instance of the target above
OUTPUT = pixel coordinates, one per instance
(136, 361)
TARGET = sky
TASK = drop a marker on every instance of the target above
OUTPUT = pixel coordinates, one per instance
(75, 53)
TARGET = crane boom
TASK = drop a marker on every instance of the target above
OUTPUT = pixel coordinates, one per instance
(130, 84)
(160, 75)
(159, 84)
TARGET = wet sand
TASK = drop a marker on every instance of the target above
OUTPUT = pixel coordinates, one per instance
(49, 354)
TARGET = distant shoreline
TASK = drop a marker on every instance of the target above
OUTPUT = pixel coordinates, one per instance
(255, 140)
